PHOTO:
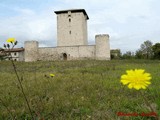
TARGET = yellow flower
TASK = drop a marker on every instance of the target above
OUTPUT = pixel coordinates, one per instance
(52, 75)
(11, 40)
(136, 79)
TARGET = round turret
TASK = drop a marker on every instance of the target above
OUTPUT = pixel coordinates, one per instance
(31, 51)
(102, 47)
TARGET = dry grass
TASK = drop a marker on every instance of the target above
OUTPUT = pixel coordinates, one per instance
(80, 90)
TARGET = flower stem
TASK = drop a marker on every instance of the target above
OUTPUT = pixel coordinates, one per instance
(22, 90)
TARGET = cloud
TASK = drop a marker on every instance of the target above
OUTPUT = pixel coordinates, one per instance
(28, 25)
(24, 11)
(128, 22)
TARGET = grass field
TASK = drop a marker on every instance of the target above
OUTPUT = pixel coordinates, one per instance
(80, 90)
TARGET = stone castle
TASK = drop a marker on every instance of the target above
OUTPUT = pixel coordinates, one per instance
(72, 42)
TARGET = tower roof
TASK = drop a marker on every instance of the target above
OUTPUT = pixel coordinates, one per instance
(72, 10)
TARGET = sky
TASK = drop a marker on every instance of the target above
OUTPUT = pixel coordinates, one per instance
(128, 22)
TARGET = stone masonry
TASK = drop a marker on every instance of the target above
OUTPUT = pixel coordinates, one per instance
(72, 42)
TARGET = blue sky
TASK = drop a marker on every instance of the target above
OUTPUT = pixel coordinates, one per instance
(128, 22)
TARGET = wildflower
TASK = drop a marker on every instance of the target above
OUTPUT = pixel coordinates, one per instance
(11, 40)
(136, 79)
(52, 75)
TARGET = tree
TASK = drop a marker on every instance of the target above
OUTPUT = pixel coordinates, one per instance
(115, 53)
(128, 55)
(156, 51)
(146, 49)
(139, 54)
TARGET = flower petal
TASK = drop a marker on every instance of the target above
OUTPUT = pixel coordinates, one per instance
(136, 79)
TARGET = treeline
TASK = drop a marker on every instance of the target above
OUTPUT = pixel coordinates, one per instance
(146, 51)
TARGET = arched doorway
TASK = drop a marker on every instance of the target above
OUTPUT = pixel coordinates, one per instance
(64, 56)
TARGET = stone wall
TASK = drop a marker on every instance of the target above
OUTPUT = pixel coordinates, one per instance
(70, 52)
(87, 52)
(100, 51)
(47, 53)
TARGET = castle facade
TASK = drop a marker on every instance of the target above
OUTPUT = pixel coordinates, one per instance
(72, 40)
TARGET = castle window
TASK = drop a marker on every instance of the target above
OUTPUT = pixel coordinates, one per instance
(70, 32)
(69, 19)
(15, 53)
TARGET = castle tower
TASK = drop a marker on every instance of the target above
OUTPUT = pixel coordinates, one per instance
(31, 51)
(72, 27)
(102, 47)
